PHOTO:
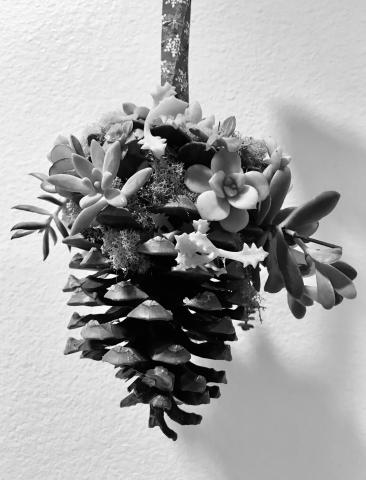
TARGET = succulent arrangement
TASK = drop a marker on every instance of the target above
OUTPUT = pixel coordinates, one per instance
(177, 219)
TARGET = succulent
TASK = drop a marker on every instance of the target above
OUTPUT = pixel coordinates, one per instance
(175, 216)
(226, 193)
(95, 183)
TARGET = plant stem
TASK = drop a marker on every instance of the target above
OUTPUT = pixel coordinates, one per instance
(311, 240)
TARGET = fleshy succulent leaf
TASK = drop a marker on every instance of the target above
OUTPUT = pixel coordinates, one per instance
(86, 216)
(69, 183)
(82, 166)
(228, 162)
(211, 207)
(197, 178)
(136, 182)
(246, 199)
(112, 159)
(236, 220)
(312, 211)
(97, 154)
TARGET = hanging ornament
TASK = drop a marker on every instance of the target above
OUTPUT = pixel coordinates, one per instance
(174, 216)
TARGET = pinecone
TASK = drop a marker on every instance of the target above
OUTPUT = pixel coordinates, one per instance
(154, 323)
(159, 316)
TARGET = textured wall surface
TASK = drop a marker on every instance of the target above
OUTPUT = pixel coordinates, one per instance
(295, 405)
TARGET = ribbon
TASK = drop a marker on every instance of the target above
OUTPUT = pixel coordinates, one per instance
(176, 16)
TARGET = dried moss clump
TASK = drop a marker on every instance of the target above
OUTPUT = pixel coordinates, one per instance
(167, 183)
(252, 153)
(121, 248)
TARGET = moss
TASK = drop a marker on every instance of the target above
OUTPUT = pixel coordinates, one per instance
(70, 211)
(252, 153)
(121, 248)
(166, 184)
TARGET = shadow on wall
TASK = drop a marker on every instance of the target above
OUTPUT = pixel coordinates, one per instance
(326, 157)
(273, 424)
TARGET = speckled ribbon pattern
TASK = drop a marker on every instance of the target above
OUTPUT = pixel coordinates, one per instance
(176, 18)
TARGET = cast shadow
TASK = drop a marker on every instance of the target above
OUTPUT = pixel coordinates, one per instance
(326, 157)
(271, 423)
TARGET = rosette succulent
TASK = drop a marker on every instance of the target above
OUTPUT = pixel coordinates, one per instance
(95, 183)
(226, 193)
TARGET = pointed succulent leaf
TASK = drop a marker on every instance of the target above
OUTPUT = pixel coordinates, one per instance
(32, 208)
(39, 176)
(76, 145)
(78, 241)
(228, 126)
(53, 234)
(112, 159)
(136, 182)
(97, 154)
(46, 243)
(69, 183)
(278, 189)
(51, 199)
(21, 233)
(29, 226)
(82, 166)
(86, 216)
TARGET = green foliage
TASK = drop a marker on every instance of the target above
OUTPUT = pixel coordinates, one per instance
(166, 185)
(45, 227)
(120, 246)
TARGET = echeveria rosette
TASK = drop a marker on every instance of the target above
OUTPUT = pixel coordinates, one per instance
(226, 193)
(95, 183)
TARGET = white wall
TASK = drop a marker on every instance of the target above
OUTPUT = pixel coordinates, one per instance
(295, 405)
